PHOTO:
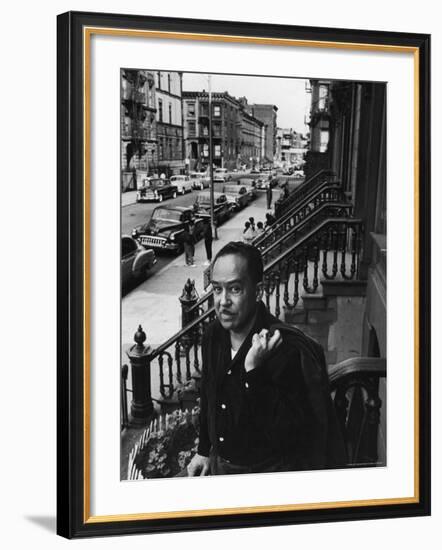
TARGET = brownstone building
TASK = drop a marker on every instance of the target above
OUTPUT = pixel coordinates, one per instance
(226, 123)
(169, 123)
(137, 126)
(268, 115)
(317, 156)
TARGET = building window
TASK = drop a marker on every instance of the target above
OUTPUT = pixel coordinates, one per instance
(160, 110)
(323, 94)
(191, 109)
(323, 143)
(205, 130)
(170, 113)
(217, 151)
(191, 128)
(168, 82)
(216, 110)
(217, 130)
(205, 150)
(159, 80)
(204, 109)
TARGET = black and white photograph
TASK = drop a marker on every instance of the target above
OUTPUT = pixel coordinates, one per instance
(253, 274)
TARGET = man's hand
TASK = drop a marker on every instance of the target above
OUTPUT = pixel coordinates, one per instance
(198, 466)
(262, 345)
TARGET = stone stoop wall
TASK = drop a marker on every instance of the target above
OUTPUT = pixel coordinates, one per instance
(333, 321)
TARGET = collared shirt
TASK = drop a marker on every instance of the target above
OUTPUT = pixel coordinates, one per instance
(257, 417)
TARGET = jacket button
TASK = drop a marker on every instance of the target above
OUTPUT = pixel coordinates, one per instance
(229, 372)
(247, 385)
(221, 439)
(223, 406)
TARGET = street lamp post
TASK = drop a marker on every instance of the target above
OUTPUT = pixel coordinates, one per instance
(212, 194)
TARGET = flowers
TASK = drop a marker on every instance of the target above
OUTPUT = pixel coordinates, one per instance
(168, 445)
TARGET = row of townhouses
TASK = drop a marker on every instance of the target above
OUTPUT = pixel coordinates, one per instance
(166, 130)
(291, 147)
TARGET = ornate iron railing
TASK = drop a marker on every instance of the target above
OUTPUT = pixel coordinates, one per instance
(286, 203)
(354, 384)
(181, 354)
(308, 221)
(335, 241)
(326, 192)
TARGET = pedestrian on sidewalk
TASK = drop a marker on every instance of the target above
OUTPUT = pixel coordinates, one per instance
(259, 229)
(252, 223)
(208, 238)
(270, 219)
(248, 233)
(187, 238)
(269, 193)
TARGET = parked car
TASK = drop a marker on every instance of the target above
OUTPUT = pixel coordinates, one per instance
(249, 184)
(263, 182)
(222, 208)
(298, 173)
(136, 261)
(199, 180)
(156, 189)
(237, 196)
(163, 230)
(183, 183)
(221, 174)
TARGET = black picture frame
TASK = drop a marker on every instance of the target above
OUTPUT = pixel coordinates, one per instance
(73, 520)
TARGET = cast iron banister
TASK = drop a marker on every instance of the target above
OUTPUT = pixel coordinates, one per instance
(314, 215)
(355, 384)
(305, 238)
(194, 324)
(297, 207)
(366, 366)
(313, 182)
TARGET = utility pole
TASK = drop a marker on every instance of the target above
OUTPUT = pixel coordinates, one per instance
(212, 195)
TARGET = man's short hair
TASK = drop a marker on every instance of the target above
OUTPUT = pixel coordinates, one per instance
(251, 255)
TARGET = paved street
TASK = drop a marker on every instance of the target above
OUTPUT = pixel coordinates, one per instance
(134, 214)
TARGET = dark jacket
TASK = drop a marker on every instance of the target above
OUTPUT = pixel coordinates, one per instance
(280, 412)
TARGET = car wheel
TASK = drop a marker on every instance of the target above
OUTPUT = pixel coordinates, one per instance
(174, 195)
(160, 198)
(183, 190)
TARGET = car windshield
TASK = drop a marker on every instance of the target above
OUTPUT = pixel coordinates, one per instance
(177, 178)
(233, 189)
(166, 214)
(204, 198)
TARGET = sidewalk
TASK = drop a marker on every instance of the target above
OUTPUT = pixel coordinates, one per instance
(155, 303)
(128, 197)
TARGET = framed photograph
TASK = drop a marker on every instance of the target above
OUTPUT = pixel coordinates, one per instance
(229, 198)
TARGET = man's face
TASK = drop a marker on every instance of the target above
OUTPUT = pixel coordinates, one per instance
(235, 294)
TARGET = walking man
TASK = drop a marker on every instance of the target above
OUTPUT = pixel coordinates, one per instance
(189, 246)
(208, 238)
(269, 192)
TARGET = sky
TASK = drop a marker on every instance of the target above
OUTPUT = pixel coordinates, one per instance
(288, 94)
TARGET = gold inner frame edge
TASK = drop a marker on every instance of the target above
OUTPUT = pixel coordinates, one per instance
(87, 33)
